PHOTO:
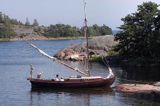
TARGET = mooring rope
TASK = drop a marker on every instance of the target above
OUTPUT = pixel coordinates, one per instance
(109, 68)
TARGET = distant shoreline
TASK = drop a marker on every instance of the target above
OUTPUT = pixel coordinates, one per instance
(34, 39)
(18, 39)
(65, 38)
(4, 39)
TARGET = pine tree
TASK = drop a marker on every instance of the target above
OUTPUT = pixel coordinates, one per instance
(27, 22)
(137, 35)
(35, 22)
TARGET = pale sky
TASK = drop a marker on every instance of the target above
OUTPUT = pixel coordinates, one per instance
(108, 12)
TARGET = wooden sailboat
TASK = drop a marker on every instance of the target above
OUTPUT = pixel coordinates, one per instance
(73, 82)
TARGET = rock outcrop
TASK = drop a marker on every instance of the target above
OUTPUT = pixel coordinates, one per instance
(140, 91)
(137, 88)
(29, 37)
(28, 33)
(98, 46)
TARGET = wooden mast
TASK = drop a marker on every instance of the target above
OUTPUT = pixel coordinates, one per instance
(86, 36)
(87, 51)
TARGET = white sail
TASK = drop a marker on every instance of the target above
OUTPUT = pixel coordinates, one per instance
(42, 52)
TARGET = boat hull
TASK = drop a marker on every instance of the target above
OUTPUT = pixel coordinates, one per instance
(71, 83)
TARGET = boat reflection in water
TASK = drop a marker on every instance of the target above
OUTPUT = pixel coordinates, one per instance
(74, 97)
(96, 90)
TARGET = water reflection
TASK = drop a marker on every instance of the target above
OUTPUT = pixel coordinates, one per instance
(15, 58)
(141, 73)
(97, 90)
(75, 97)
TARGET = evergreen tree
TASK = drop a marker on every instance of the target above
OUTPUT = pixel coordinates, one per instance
(27, 22)
(35, 22)
(137, 35)
(105, 30)
(1, 17)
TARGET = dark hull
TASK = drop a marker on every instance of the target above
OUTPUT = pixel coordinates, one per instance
(74, 83)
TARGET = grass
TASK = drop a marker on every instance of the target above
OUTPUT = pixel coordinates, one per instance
(52, 38)
(95, 58)
(4, 39)
(63, 38)
(66, 38)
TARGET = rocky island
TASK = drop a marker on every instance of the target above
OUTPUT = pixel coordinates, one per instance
(98, 47)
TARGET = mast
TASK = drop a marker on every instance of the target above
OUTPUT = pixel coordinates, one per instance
(86, 36)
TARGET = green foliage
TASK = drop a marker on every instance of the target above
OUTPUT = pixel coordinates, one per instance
(58, 30)
(105, 30)
(1, 17)
(6, 32)
(27, 23)
(96, 30)
(15, 22)
(95, 58)
(35, 22)
(61, 30)
(112, 51)
(5, 26)
(6, 19)
(140, 33)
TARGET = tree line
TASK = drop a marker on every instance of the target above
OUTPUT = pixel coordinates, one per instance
(61, 30)
(139, 36)
(57, 30)
(7, 24)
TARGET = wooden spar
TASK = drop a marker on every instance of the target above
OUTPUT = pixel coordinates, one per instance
(76, 69)
(86, 36)
(55, 59)
(42, 52)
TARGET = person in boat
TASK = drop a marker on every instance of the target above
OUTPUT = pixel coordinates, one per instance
(31, 71)
(39, 75)
(79, 76)
(61, 79)
(57, 77)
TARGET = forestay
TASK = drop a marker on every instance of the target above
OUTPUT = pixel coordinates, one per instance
(55, 59)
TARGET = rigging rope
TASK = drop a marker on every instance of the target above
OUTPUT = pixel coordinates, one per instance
(107, 64)
(55, 59)
(109, 68)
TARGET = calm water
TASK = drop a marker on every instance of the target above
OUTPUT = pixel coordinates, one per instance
(15, 90)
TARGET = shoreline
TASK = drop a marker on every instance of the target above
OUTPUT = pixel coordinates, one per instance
(4, 39)
(65, 38)
(58, 38)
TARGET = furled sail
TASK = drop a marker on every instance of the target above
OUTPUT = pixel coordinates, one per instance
(42, 52)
